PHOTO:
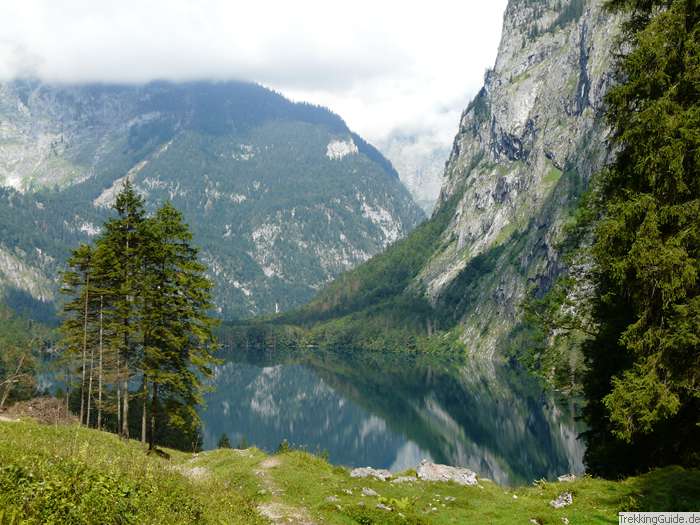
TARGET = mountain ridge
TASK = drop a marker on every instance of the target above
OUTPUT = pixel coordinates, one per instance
(282, 196)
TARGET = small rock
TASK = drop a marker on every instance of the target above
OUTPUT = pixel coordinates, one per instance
(368, 492)
(432, 472)
(450, 498)
(564, 500)
(535, 521)
(381, 506)
(369, 472)
(515, 497)
(404, 479)
(332, 499)
(565, 520)
(567, 478)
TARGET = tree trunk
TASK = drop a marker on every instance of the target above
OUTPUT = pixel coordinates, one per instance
(144, 394)
(125, 403)
(85, 325)
(154, 406)
(9, 381)
(99, 380)
(69, 389)
(119, 395)
(89, 396)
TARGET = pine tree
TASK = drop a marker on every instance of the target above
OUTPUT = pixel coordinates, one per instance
(176, 326)
(76, 282)
(121, 270)
(644, 364)
(139, 307)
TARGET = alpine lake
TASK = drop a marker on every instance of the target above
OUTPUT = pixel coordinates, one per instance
(392, 411)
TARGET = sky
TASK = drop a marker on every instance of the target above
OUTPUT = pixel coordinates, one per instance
(386, 67)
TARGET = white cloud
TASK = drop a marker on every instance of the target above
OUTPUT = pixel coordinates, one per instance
(383, 66)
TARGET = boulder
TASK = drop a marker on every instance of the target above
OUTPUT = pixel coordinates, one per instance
(564, 500)
(369, 472)
(404, 479)
(369, 492)
(432, 472)
(567, 478)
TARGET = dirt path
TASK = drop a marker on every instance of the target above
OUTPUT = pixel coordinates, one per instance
(276, 510)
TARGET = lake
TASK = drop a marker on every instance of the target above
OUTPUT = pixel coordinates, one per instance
(391, 411)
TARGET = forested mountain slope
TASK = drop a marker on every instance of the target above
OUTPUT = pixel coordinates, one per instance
(281, 196)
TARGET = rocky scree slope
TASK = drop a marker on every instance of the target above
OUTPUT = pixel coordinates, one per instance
(281, 197)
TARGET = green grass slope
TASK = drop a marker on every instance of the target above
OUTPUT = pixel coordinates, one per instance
(70, 475)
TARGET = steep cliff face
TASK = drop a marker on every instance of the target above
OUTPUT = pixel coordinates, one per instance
(526, 148)
(420, 163)
(281, 197)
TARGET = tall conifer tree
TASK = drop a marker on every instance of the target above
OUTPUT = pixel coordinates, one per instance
(176, 325)
(643, 383)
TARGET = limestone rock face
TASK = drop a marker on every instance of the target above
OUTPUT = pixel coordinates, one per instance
(526, 148)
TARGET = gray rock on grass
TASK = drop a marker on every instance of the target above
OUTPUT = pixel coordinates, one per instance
(433, 472)
(564, 500)
(369, 472)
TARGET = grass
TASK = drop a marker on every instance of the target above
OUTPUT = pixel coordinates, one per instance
(66, 474)
(552, 176)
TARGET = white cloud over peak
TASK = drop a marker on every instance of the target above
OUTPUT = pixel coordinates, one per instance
(385, 67)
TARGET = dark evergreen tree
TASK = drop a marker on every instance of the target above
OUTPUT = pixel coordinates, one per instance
(644, 364)
(223, 442)
(77, 311)
(176, 325)
(121, 270)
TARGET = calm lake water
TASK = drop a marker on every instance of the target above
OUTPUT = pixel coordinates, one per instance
(387, 411)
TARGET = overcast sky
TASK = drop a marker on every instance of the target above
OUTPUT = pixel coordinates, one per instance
(384, 66)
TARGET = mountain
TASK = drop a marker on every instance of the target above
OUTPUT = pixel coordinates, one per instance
(281, 196)
(420, 162)
(526, 148)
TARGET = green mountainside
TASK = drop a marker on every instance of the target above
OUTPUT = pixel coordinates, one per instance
(281, 196)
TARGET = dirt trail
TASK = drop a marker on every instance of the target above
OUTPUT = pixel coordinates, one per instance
(276, 510)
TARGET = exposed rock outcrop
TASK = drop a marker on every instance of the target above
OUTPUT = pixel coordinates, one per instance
(526, 148)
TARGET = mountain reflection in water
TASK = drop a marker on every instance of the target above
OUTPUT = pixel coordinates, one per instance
(391, 411)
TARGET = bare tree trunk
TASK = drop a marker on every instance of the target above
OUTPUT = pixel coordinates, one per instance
(9, 381)
(85, 325)
(99, 380)
(92, 373)
(154, 407)
(125, 402)
(119, 395)
(69, 389)
(144, 393)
